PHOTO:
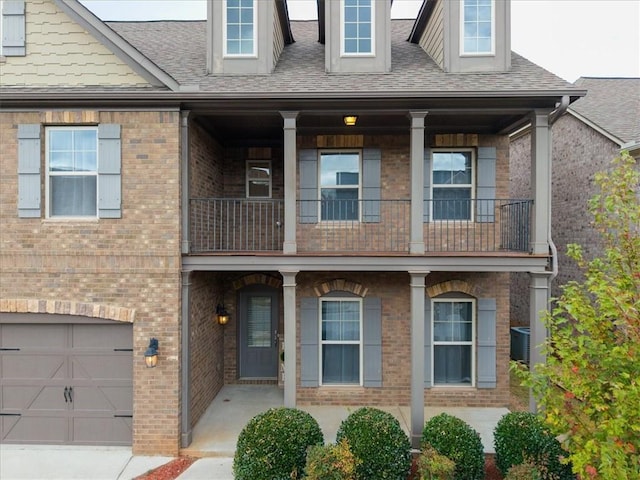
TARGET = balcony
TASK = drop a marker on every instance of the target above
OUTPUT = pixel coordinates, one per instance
(360, 227)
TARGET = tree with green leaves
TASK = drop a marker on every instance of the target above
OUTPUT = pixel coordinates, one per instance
(589, 387)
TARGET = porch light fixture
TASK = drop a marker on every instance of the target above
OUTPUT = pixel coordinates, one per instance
(222, 315)
(350, 120)
(151, 355)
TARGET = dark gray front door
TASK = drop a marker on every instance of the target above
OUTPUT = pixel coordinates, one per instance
(258, 316)
(66, 383)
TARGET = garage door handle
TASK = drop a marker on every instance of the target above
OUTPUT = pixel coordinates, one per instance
(66, 392)
(70, 394)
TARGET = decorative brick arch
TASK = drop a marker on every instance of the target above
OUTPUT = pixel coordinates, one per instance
(257, 278)
(341, 285)
(64, 307)
(452, 286)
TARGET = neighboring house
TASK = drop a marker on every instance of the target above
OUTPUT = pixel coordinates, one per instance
(156, 174)
(586, 138)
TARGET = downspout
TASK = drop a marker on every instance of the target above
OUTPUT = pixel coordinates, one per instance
(553, 116)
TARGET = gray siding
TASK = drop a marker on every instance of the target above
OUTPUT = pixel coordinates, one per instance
(278, 38)
(432, 40)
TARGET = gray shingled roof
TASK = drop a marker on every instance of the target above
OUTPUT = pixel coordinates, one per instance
(613, 104)
(178, 47)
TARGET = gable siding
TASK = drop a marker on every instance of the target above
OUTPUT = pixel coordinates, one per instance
(432, 40)
(278, 38)
(59, 52)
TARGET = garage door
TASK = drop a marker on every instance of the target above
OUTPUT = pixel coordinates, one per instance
(66, 383)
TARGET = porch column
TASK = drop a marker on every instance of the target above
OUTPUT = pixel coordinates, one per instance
(290, 337)
(416, 243)
(290, 220)
(184, 179)
(185, 359)
(538, 304)
(540, 181)
(417, 355)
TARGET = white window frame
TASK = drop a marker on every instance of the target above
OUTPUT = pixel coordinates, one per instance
(472, 185)
(254, 54)
(343, 53)
(49, 174)
(345, 187)
(492, 52)
(472, 342)
(1, 22)
(359, 342)
(267, 164)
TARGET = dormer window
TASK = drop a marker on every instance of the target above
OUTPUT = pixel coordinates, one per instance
(477, 27)
(240, 27)
(357, 27)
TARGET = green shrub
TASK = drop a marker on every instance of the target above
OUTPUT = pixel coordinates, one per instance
(378, 442)
(519, 436)
(273, 445)
(525, 471)
(330, 462)
(457, 441)
(433, 466)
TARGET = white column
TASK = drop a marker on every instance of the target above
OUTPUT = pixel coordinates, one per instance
(290, 337)
(538, 305)
(290, 174)
(540, 181)
(417, 355)
(416, 245)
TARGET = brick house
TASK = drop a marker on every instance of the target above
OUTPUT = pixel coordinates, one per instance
(585, 139)
(159, 174)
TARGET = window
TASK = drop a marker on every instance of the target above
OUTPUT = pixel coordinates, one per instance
(72, 171)
(258, 179)
(341, 346)
(452, 183)
(453, 341)
(339, 185)
(240, 32)
(357, 27)
(477, 29)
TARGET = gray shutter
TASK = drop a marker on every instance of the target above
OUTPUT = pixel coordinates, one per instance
(309, 186)
(371, 159)
(109, 171)
(29, 165)
(309, 340)
(372, 337)
(13, 28)
(486, 343)
(427, 343)
(426, 216)
(486, 187)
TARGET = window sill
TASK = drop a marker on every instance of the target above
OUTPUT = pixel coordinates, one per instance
(68, 220)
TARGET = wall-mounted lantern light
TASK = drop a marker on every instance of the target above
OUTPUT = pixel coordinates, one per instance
(350, 120)
(151, 355)
(222, 316)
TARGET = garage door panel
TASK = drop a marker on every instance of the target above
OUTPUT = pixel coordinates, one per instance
(103, 399)
(100, 337)
(37, 429)
(114, 430)
(33, 398)
(117, 366)
(32, 366)
(21, 336)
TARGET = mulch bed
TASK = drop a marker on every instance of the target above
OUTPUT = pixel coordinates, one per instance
(168, 471)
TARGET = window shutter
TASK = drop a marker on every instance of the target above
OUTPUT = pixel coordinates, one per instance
(486, 343)
(309, 340)
(309, 186)
(109, 171)
(13, 28)
(486, 189)
(372, 337)
(426, 216)
(427, 343)
(371, 159)
(29, 165)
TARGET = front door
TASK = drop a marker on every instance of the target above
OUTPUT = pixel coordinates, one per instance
(258, 318)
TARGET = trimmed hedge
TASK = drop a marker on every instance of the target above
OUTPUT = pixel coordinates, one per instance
(456, 440)
(522, 436)
(273, 445)
(378, 442)
(330, 462)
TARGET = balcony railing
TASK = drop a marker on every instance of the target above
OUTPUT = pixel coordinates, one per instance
(361, 226)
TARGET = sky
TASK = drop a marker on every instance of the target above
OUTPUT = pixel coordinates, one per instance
(571, 38)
